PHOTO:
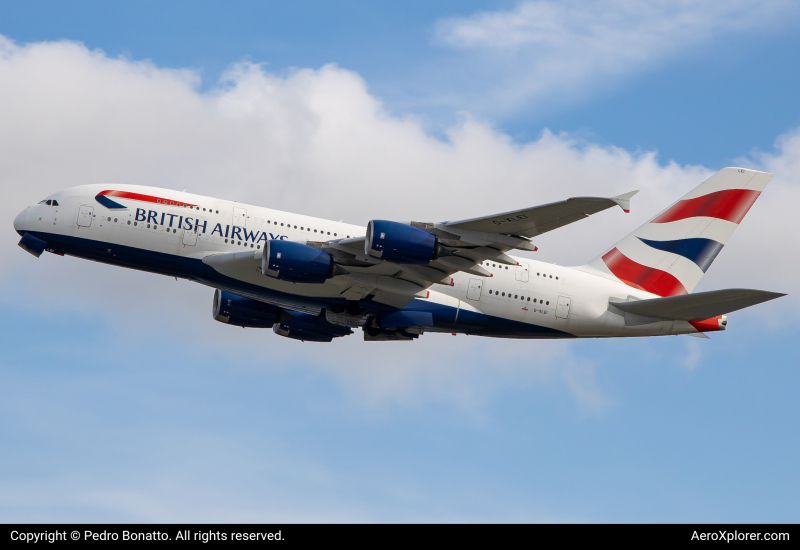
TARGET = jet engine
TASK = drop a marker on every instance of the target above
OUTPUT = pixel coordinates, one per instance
(401, 243)
(243, 312)
(298, 263)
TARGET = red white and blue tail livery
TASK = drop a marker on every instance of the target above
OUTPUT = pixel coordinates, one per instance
(668, 255)
(315, 280)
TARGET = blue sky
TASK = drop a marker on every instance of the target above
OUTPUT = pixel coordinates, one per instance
(122, 400)
(714, 86)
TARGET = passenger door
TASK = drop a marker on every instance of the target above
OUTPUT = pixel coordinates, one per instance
(189, 237)
(239, 216)
(522, 273)
(474, 290)
(562, 308)
(85, 214)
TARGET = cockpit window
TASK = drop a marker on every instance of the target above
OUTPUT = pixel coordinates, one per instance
(49, 203)
(55, 203)
(42, 202)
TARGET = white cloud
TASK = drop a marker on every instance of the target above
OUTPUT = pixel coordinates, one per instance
(694, 352)
(315, 141)
(546, 47)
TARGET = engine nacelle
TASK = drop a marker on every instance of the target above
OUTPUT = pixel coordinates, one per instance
(401, 243)
(297, 263)
(308, 328)
(243, 312)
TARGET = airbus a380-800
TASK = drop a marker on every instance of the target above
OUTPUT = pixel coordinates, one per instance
(312, 279)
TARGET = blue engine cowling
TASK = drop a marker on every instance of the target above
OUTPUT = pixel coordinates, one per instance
(401, 243)
(296, 262)
(309, 328)
(243, 312)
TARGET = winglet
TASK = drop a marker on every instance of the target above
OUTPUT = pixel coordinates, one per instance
(624, 200)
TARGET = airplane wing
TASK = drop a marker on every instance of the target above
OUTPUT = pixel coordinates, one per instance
(530, 222)
(466, 244)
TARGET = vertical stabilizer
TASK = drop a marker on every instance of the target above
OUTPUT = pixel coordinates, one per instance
(669, 254)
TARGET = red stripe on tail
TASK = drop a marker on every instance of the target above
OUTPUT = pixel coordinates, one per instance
(642, 277)
(730, 204)
(143, 198)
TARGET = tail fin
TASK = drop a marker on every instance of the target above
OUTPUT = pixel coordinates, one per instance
(669, 254)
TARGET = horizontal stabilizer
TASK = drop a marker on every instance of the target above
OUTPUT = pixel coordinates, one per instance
(698, 306)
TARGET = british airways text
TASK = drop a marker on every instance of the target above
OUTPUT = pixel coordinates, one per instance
(201, 226)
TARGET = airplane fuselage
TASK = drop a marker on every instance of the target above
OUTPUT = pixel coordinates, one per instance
(178, 234)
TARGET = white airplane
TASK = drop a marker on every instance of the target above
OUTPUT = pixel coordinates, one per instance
(314, 280)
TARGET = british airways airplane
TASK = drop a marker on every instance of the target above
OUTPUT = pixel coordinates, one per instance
(312, 279)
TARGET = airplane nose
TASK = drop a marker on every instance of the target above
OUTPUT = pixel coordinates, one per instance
(19, 222)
